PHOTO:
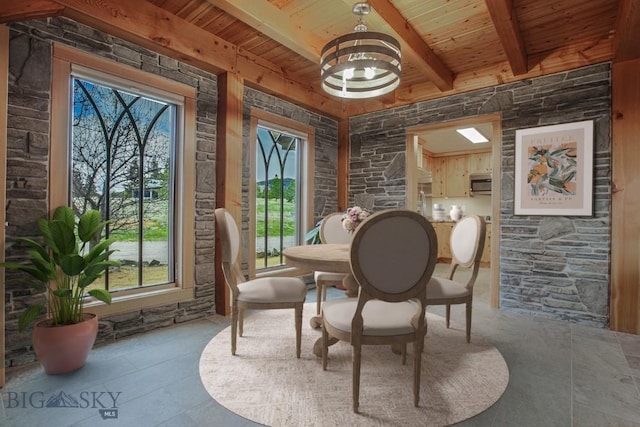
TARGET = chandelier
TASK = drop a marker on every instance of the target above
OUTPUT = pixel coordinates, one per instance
(363, 64)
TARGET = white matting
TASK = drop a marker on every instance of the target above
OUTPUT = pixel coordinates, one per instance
(265, 382)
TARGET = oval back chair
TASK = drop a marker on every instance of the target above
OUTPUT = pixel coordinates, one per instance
(331, 231)
(466, 242)
(264, 293)
(393, 255)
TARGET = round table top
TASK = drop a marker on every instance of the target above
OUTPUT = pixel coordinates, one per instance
(332, 257)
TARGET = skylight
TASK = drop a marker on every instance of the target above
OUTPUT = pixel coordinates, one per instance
(472, 135)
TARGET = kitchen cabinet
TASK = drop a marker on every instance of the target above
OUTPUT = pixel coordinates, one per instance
(438, 175)
(457, 176)
(443, 233)
(486, 252)
(480, 162)
(427, 162)
(450, 176)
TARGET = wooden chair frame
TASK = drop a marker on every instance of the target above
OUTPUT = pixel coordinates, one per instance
(370, 291)
(233, 276)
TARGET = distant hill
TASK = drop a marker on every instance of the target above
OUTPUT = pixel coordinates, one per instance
(287, 182)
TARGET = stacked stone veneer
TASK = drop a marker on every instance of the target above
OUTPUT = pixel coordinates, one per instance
(325, 147)
(28, 162)
(550, 266)
(29, 104)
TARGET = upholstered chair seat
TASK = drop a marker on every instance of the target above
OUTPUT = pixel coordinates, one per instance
(392, 256)
(257, 294)
(378, 317)
(269, 289)
(466, 243)
(441, 288)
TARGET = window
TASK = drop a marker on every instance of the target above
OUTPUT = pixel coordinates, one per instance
(282, 170)
(122, 165)
(123, 142)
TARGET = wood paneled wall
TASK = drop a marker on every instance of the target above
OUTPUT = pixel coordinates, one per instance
(228, 163)
(625, 232)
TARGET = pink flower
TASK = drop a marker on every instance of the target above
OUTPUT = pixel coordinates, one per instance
(353, 217)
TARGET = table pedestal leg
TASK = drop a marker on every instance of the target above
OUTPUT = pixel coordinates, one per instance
(351, 285)
(317, 346)
(316, 322)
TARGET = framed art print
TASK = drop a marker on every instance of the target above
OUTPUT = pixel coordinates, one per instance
(554, 170)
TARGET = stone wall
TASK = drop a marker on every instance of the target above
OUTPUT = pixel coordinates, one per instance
(553, 267)
(28, 156)
(28, 162)
(325, 147)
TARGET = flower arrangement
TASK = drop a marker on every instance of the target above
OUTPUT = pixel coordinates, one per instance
(353, 217)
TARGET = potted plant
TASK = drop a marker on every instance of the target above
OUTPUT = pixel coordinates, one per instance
(72, 257)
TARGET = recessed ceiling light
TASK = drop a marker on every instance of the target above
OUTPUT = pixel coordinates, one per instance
(472, 135)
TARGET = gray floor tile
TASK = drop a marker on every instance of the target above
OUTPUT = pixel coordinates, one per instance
(585, 416)
(630, 343)
(615, 395)
(561, 374)
(535, 401)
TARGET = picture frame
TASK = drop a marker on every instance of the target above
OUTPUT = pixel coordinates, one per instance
(554, 170)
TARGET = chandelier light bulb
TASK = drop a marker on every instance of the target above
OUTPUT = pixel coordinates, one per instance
(348, 73)
(369, 72)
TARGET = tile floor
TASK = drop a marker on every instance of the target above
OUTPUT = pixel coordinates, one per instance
(561, 374)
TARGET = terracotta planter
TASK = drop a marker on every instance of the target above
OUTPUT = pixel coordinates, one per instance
(62, 349)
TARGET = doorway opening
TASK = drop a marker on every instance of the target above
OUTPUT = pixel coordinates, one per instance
(440, 166)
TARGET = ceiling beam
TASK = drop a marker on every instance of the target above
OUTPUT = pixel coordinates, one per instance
(421, 54)
(151, 27)
(506, 24)
(576, 55)
(271, 21)
(12, 11)
(626, 40)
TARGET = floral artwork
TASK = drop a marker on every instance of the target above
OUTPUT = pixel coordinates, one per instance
(554, 170)
(352, 218)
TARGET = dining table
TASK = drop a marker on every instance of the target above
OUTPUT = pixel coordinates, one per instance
(331, 257)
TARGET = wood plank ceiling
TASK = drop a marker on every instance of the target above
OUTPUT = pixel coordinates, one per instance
(448, 46)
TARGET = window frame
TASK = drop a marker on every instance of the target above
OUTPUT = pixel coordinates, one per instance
(306, 172)
(64, 60)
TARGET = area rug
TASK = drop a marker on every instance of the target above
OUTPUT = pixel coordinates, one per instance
(265, 382)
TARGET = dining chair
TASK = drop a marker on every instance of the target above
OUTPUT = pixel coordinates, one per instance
(331, 231)
(466, 243)
(263, 293)
(393, 255)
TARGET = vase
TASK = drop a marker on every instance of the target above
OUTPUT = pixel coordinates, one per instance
(62, 349)
(455, 213)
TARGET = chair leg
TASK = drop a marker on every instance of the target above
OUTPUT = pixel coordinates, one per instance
(240, 321)
(448, 314)
(418, 346)
(319, 287)
(298, 329)
(357, 356)
(404, 353)
(325, 347)
(234, 328)
(469, 321)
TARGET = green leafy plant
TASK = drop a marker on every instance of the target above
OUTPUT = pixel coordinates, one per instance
(313, 235)
(72, 257)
